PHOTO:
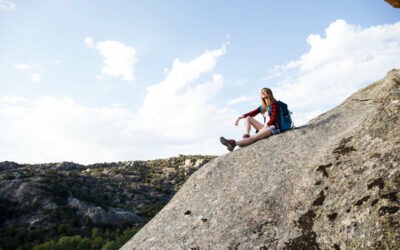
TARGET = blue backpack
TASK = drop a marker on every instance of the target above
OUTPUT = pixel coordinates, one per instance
(286, 122)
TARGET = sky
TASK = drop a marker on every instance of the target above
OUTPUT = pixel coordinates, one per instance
(106, 81)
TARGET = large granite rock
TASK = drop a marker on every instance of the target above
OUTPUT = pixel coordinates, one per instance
(394, 3)
(331, 184)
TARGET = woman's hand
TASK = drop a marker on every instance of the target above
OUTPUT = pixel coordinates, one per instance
(237, 120)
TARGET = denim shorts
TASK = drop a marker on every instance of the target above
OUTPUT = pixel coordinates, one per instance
(274, 130)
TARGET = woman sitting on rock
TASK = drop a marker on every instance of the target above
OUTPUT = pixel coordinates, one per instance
(268, 106)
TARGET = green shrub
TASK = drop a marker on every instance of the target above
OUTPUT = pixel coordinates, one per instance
(51, 173)
(8, 210)
(88, 222)
(148, 211)
(50, 245)
(98, 242)
(9, 177)
(110, 245)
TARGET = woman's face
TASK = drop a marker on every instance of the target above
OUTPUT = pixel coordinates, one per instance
(264, 94)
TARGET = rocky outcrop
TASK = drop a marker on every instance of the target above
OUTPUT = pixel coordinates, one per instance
(394, 3)
(99, 215)
(331, 184)
(52, 200)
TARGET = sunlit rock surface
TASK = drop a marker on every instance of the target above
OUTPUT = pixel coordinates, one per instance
(331, 184)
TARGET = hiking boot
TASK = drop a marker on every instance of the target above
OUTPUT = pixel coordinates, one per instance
(230, 144)
(245, 136)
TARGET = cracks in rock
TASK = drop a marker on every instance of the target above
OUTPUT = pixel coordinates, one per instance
(377, 182)
(263, 227)
(307, 240)
(320, 199)
(346, 140)
(362, 200)
(390, 196)
(342, 149)
(388, 210)
(323, 168)
(336, 247)
(233, 246)
(332, 216)
(376, 155)
(361, 100)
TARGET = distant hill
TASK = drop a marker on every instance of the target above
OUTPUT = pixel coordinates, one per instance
(331, 184)
(103, 203)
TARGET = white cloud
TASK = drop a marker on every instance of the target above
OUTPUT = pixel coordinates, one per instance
(241, 99)
(36, 77)
(11, 99)
(6, 5)
(347, 58)
(177, 117)
(25, 66)
(51, 129)
(89, 42)
(118, 59)
(177, 108)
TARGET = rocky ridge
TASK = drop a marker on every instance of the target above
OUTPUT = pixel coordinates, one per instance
(331, 184)
(70, 198)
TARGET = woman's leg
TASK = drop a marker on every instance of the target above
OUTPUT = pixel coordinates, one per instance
(264, 132)
(250, 121)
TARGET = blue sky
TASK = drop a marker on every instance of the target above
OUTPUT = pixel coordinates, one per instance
(93, 81)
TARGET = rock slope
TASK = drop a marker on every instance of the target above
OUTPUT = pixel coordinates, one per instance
(331, 184)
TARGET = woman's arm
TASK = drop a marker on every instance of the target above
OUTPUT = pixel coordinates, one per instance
(251, 113)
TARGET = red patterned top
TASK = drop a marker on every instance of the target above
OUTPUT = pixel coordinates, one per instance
(273, 116)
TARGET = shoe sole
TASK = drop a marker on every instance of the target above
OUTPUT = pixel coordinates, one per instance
(226, 143)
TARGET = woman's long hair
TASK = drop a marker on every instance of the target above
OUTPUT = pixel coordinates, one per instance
(269, 99)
